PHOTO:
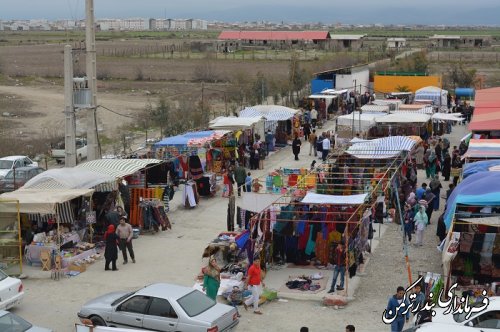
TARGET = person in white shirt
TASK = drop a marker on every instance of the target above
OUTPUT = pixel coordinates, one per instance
(326, 147)
(314, 117)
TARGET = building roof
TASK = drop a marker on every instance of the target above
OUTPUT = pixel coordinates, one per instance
(396, 39)
(347, 37)
(487, 110)
(444, 37)
(274, 35)
(343, 70)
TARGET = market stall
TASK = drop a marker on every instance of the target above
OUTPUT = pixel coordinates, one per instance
(438, 96)
(482, 149)
(62, 208)
(401, 124)
(471, 251)
(358, 122)
(278, 122)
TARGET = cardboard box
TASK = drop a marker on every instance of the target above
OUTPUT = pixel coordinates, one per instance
(80, 268)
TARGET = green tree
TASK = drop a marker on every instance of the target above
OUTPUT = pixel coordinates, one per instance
(297, 77)
(461, 77)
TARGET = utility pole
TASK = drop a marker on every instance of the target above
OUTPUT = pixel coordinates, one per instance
(203, 117)
(69, 110)
(92, 143)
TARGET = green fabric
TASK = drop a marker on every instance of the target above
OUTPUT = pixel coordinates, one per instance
(211, 286)
(277, 181)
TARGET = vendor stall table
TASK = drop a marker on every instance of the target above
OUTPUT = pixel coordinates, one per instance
(66, 261)
(32, 252)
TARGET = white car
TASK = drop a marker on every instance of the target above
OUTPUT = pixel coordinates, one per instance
(487, 320)
(440, 327)
(11, 322)
(11, 291)
(8, 163)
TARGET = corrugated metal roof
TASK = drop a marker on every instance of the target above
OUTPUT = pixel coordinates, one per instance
(274, 35)
(347, 37)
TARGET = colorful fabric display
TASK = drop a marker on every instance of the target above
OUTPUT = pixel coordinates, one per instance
(466, 240)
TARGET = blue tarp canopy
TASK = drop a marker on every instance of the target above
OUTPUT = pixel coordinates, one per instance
(476, 190)
(479, 166)
(183, 139)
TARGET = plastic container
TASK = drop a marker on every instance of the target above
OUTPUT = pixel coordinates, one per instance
(136, 232)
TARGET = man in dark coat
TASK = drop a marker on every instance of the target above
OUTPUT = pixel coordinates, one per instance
(296, 147)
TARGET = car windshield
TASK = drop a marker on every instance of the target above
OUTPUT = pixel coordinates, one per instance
(19, 175)
(6, 164)
(121, 298)
(10, 322)
(3, 275)
(195, 303)
(459, 318)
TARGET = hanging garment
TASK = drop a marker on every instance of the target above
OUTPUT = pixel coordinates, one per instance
(203, 186)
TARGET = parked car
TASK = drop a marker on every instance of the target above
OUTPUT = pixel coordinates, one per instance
(11, 291)
(11, 322)
(17, 178)
(8, 163)
(486, 320)
(160, 307)
(441, 327)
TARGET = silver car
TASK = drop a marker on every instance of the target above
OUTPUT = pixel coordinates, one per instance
(160, 307)
(10, 322)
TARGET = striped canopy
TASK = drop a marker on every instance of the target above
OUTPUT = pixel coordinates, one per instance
(483, 148)
(117, 168)
(381, 148)
(71, 178)
(271, 113)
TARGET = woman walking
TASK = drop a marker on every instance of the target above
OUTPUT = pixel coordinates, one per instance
(429, 197)
(421, 221)
(211, 278)
(296, 147)
(430, 167)
(446, 166)
(436, 189)
(111, 249)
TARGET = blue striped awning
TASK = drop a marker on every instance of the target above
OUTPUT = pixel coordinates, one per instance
(271, 113)
(381, 148)
(118, 168)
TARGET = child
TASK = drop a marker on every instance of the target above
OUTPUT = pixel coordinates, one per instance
(248, 183)
(235, 298)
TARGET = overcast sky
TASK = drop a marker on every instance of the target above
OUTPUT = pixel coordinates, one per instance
(450, 12)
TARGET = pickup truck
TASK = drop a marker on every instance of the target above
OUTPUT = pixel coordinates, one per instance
(58, 151)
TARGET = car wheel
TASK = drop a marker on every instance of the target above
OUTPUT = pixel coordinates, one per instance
(97, 321)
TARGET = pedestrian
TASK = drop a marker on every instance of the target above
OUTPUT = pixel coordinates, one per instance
(421, 191)
(125, 232)
(235, 298)
(314, 117)
(211, 278)
(350, 328)
(419, 297)
(436, 186)
(248, 183)
(326, 148)
(451, 187)
(255, 158)
(240, 175)
(456, 166)
(421, 221)
(419, 156)
(429, 197)
(337, 259)
(430, 168)
(121, 212)
(446, 170)
(254, 283)
(296, 147)
(441, 228)
(307, 130)
(392, 310)
(408, 221)
(111, 250)
(312, 143)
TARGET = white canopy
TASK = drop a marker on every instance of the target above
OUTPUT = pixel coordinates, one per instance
(404, 118)
(446, 117)
(41, 201)
(375, 108)
(381, 148)
(257, 202)
(362, 122)
(387, 102)
(438, 96)
(317, 96)
(269, 112)
(233, 123)
(68, 178)
(312, 198)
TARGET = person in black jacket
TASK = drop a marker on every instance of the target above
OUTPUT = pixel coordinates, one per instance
(111, 249)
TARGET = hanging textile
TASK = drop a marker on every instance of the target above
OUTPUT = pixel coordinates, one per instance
(195, 167)
(190, 195)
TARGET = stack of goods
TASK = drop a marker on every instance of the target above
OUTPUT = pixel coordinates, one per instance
(305, 283)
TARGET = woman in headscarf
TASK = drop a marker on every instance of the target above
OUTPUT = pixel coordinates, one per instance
(411, 200)
(429, 197)
(296, 147)
(435, 186)
(419, 156)
(430, 167)
(111, 249)
(446, 166)
(456, 164)
(421, 220)
(211, 278)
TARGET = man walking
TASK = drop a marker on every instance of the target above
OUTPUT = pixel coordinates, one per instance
(326, 147)
(125, 233)
(392, 310)
(338, 261)
(312, 143)
(240, 175)
(254, 284)
(314, 117)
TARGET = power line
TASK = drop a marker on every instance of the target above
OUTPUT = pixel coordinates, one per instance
(120, 114)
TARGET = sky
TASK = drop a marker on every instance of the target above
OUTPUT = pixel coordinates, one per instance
(431, 12)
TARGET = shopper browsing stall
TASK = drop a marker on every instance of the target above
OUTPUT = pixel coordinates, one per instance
(211, 278)
(254, 283)
(124, 232)
(111, 250)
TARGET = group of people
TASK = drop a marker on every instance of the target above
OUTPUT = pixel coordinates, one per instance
(254, 283)
(115, 237)
(321, 143)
